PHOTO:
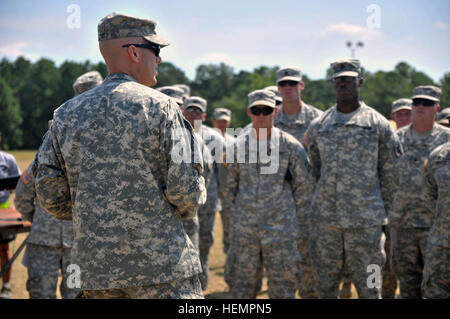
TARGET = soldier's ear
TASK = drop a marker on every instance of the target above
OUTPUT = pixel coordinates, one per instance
(133, 54)
(361, 81)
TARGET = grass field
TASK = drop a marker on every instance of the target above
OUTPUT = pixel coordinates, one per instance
(217, 287)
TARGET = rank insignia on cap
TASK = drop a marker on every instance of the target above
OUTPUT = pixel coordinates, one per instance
(26, 179)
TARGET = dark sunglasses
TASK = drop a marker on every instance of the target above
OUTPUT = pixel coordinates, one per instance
(345, 79)
(194, 110)
(154, 47)
(277, 103)
(424, 102)
(266, 110)
(290, 83)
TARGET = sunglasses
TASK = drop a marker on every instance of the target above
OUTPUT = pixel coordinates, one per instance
(154, 47)
(277, 103)
(424, 102)
(194, 110)
(266, 110)
(345, 79)
(290, 83)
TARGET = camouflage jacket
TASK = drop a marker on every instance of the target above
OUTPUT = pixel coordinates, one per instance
(410, 209)
(436, 186)
(46, 230)
(118, 160)
(354, 165)
(299, 125)
(222, 172)
(270, 195)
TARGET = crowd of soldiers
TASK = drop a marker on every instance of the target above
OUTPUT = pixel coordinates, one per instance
(311, 199)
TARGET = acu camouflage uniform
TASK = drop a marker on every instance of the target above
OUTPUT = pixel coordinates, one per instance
(48, 245)
(297, 127)
(353, 162)
(264, 226)
(436, 273)
(412, 218)
(108, 163)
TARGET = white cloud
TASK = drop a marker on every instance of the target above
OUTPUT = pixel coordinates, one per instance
(344, 29)
(16, 49)
(441, 25)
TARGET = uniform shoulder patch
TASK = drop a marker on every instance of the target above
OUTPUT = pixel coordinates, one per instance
(26, 179)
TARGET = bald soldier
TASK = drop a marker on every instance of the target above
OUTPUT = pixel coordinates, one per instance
(294, 118)
(353, 152)
(267, 183)
(118, 161)
(436, 186)
(411, 219)
(50, 239)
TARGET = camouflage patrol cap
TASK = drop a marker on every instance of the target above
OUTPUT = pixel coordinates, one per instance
(443, 117)
(222, 114)
(290, 73)
(261, 97)
(346, 67)
(401, 104)
(428, 92)
(186, 89)
(274, 90)
(195, 101)
(118, 25)
(87, 81)
(174, 92)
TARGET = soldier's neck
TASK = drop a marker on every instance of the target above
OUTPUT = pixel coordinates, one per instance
(348, 107)
(292, 107)
(422, 127)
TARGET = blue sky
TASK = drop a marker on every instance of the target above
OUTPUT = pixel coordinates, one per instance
(244, 34)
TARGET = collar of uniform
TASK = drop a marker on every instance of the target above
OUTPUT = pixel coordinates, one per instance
(359, 119)
(119, 77)
(435, 130)
(274, 138)
(299, 119)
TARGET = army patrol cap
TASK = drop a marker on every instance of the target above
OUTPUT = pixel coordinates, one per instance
(274, 90)
(174, 92)
(443, 117)
(261, 97)
(222, 114)
(87, 81)
(290, 73)
(401, 104)
(186, 89)
(346, 67)
(118, 25)
(195, 101)
(428, 92)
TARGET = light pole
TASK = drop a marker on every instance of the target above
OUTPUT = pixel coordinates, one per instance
(352, 48)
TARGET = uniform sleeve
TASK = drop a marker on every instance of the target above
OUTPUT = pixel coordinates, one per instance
(302, 182)
(390, 151)
(313, 153)
(24, 200)
(185, 185)
(52, 186)
(231, 184)
(430, 188)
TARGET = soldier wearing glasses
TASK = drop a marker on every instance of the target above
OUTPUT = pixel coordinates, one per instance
(294, 117)
(412, 218)
(264, 229)
(353, 151)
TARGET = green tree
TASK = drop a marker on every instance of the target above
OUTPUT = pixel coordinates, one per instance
(10, 118)
(445, 87)
(169, 74)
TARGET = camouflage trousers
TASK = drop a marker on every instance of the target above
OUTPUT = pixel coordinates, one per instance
(225, 216)
(206, 218)
(246, 259)
(333, 247)
(188, 288)
(408, 258)
(436, 272)
(306, 285)
(191, 227)
(44, 267)
(389, 279)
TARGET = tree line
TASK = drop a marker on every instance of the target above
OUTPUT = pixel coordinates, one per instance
(30, 92)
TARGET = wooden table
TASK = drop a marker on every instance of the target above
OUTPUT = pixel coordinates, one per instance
(11, 222)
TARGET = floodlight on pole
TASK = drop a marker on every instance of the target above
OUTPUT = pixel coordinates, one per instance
(353, 48)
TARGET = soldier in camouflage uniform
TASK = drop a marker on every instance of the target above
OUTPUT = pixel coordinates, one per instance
(174, 92)
(195, 113)
(186, 89)
(401, 112)
(267, 183)
(353, 152)
(50, 239)
(443, 117)
(119, 161)
(411, 218)
(436, 275)
(294, 117)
